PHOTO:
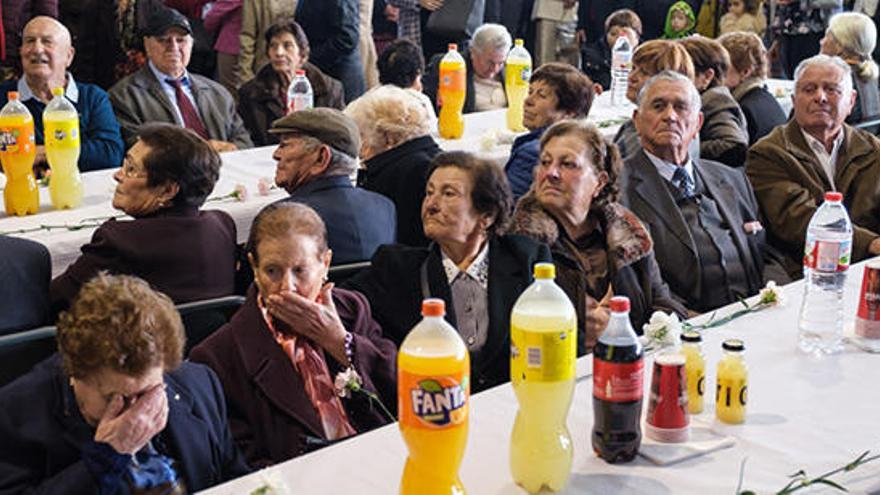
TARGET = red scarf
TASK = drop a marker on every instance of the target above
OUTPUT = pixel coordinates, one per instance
(311, 365)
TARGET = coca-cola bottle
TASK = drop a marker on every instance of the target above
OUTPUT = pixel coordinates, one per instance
(618, 377)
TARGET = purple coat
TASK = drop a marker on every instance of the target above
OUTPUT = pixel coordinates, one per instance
(270, 415)
(224, 21)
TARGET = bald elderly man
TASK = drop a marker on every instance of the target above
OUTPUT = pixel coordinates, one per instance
(46, 53)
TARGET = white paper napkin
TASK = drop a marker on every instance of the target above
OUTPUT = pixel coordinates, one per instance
(703, 441)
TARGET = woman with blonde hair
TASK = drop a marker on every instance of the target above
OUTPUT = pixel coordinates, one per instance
(396, 151)
(852, 36)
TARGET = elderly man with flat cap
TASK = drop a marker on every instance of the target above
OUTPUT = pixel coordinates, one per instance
(316, 159)
(46, 53)
(164, 91)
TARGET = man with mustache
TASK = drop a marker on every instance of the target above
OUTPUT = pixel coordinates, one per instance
(46, 53)
(164, 91)
(702, 215)
(792, 167)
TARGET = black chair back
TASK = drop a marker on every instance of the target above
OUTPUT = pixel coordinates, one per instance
(19, 352)
(339, 273)
(202, 318)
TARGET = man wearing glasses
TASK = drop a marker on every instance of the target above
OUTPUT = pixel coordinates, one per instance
(163, 90)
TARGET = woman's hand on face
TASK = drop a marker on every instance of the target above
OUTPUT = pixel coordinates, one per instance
(317, 320)
(128, 430)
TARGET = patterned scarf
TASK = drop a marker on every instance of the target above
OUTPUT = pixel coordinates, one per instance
(309, 362)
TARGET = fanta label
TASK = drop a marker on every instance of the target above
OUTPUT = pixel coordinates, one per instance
(453, 80)
(618, 382)
(433, 402)
(542, 356)
(16, 139)
(828, 256)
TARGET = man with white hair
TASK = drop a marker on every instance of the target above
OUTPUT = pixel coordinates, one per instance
(702, 215)
(792, 167)
(46, 53)
(485, 63)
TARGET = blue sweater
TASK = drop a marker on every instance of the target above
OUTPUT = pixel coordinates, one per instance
(523, 158)
(102, 145)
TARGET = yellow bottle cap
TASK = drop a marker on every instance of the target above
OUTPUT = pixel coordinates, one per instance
(518, 42)
(545, 270)
(57, 91)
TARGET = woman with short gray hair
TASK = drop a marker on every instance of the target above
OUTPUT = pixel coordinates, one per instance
(396, 151)
(852, 37)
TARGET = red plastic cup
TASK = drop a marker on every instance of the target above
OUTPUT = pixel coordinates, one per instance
(868, 315)
(668, 418)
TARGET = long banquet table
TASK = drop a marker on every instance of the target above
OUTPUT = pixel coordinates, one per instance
(485, 133)
(803, 413)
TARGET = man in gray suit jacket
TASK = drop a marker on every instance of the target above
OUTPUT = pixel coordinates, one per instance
(25, 269)
(702, 215)
(163, 90)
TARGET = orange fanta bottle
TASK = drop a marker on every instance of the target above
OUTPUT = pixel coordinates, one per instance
(17, 154)
(433, 397)
(451, 93)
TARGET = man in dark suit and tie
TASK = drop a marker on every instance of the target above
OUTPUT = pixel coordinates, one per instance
(25, 270)
(316, 158)
(702, 215)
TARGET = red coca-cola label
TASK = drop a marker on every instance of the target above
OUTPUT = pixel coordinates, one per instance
(618, 382)
(869, 302)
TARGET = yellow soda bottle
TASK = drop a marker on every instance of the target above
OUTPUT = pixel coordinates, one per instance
(62, 140)
(543, 349)
(451, 93)
(433, 398)
(517, 72)
(695, 367)
(17, 153)
(731, 392)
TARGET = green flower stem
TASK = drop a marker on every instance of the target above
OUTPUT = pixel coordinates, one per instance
(799, 479)
(712, 323)
(355, 387)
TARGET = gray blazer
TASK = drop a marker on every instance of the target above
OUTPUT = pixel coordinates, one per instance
(139, 99)
(25, 270)
(644, 192)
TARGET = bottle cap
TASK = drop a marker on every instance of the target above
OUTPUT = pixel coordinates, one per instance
(691, 336)
(433, 307)
(734, 345)
(300, 72)
(545, 270)
(57, 91)
(12, 95)
(833, 196)
(453, 47)
(518, 42)
(620, 304)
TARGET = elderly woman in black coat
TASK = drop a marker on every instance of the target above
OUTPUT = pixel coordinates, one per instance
(187, 253)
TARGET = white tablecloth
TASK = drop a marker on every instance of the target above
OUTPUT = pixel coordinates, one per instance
(485, 133)
(803, 413)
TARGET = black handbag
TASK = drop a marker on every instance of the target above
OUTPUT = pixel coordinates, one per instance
(456, 19)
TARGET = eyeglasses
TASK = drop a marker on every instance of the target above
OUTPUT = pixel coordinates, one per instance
(132, 171)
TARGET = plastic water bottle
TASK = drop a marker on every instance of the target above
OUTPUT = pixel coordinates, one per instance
(618, 378)
(826, 260)
(299, 93)
(543, 350)
(621, 64)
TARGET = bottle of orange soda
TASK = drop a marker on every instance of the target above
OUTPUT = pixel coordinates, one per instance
(17, 153)
(433, 397)
(451, 93)
(62, 138)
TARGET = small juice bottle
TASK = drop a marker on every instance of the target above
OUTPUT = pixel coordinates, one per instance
(731, 392)
(517, 72)
(62, 138)
(17, 153)
(433, 384)
(695, 367)
(543, 350)
(451, 93)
